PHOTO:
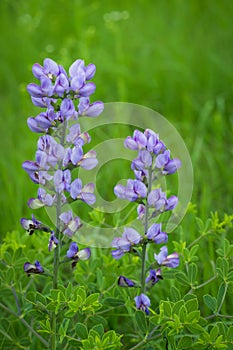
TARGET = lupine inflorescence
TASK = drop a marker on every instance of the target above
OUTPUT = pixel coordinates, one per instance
(65, 98)
(153, 160)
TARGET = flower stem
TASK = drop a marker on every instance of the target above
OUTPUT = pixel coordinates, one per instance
(146, 223)
(56, 258)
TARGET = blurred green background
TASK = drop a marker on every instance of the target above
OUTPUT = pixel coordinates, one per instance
(173, 56)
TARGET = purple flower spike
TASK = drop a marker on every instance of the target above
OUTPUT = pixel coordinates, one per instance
(142, 303)
(155, 234)
(164, 259)
(125, 282)
(154, 277)
(33, 269)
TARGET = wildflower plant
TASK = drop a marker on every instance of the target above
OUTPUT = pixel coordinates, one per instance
(152, 162)
(65, 98)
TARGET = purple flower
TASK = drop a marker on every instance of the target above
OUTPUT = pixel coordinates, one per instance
(143, 161)
(33, 269)
(31, 225)
(141, 210)
(62, 180)
(166, 164)
(154, 277)
(164, 259)
(75, 254)
(67, 109)
(125, 282)
(155, 234)
(43, 121)
(123, 244)
(53, 241)
(137, 142)
(158, 200)
(134, 190)
(61, 85)
(84, 193)
(90, 110)
(49, 152)
(171, 203)
(70, 224)
(153, 143)
(142, 303)
(43, 199)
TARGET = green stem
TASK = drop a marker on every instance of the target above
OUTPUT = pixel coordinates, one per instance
(146, 223)
(56, 261)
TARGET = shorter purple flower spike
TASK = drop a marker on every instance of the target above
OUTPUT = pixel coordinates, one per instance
(33, 269)
(125, 282)
(164, 259)
(75, 254)
(154, 277)
(142, 303)
(155, 234)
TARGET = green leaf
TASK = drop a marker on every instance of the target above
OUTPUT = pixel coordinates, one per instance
(166, 308)
(92, 299)
(99, 328)
(182, 313)
(184, 343)
(81, 330)
(210, 301)
(214, 333)
(193, 316)
(230, 333)
(177, 306)
(175, 294)
(195, 328)
(182, 278)
(141, 321)
(95, 320)
(191, 305)
(114, 301)
(220, 295)
(222, 267)
(192, 273)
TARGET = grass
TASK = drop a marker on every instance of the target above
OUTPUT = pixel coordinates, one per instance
(174, 57)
